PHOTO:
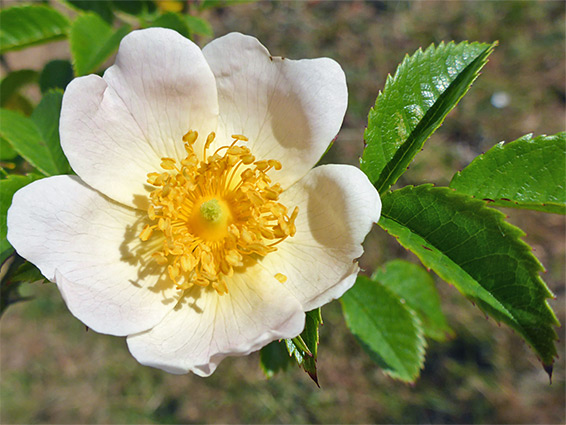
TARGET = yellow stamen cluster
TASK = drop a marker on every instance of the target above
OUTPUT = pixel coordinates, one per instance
(215, 214)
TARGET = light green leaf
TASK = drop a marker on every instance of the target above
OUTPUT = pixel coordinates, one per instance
(36, 138)
(415, 287)
(11, 84)
(28, 25)
(527, 173)
(471, 246)
(55, 75)
(8, 187)
(198, 26)
(92, 42)
(389, 331)
(6, 151)
(414, 104)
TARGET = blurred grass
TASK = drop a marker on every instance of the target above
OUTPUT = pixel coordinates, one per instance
(53, 371)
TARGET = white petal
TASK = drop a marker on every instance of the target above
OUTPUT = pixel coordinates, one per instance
(289, 109)
(87, 244)
(337, 208)
(115, 129)
(206, 327)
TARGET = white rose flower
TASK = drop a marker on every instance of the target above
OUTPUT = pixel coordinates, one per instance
(196, 226)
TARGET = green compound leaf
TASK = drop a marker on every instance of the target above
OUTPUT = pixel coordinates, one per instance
(413, 105)
(387, 329)
(36, 138)
(92, 42)
(8, 187)
(471, 246)
(527, 173)
(415, 287)
(28, 25)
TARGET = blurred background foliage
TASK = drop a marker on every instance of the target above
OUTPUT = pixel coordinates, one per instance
(53, 371)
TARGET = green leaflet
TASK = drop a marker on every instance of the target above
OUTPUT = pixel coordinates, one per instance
(387, 329)
(415, 287)
(527, 173)
(28, 25)
(303, 349)
(36, 138)
(92, 42)
(8, 187)
(472, 247)
(413, 105)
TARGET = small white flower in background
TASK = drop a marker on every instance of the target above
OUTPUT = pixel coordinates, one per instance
(196, 226)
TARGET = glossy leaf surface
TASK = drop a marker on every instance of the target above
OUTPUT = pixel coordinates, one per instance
(527, 173)
(471, 246)
(31, 24)
(414, 103)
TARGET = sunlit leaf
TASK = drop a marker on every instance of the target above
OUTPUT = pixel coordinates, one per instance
(527, 173)
(413, 105)
(36, 138)
(416, 289)
(387, 329)
(92, 42)
(472, 247)
(28, 25)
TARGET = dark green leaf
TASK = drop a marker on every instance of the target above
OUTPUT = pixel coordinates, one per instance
(36, 138)
(27, 25)
(389, 331)
(11, 84)
(102, 7)
(55, 75)
(527, 173)
(274, 358)
(198, 26)
(92, 42)
(413, 105)
(471, 246)
(416, 289)
(138, 7)
(172, 21)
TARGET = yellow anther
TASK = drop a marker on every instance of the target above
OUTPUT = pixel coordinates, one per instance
(209, 140)
(190, 137)
(168, 163)
(281, 277)
(146, 233)
(275, 164)
(239, 137)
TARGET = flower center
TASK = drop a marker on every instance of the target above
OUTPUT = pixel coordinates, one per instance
(216, 214)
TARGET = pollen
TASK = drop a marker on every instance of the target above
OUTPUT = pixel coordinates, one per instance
(212, 216)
